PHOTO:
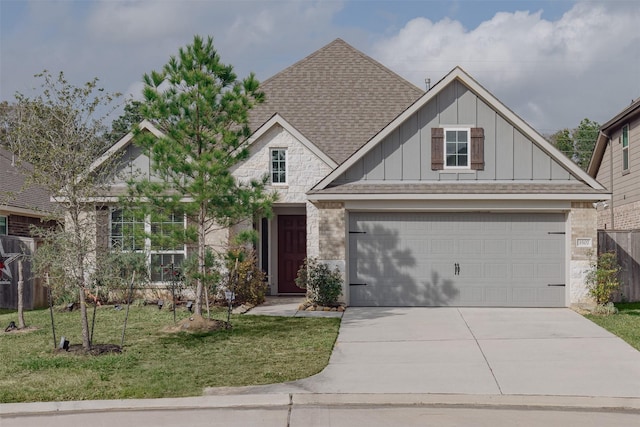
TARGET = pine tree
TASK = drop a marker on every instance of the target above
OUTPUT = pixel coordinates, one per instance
(203, 110)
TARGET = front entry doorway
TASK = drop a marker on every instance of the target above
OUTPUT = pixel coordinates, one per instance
(292, 250)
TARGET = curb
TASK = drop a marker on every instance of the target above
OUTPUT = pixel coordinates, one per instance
(283, 400)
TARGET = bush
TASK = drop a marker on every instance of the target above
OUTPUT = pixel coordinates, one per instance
(323, 285)
(602, 279)
(250, 286)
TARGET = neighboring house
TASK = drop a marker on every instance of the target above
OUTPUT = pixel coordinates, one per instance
(20, 208)
(616, 164)
(420, 199)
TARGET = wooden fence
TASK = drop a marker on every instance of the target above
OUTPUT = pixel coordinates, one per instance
(35, 295)
(627, 245)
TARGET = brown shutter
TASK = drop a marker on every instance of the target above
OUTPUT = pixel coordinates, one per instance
(437, 149)
(477, 149)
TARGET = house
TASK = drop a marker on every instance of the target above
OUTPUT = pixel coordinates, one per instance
(20, 209)
(444, 197)
(616, 164)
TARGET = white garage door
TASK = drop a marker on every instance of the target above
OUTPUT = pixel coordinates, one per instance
(457, 259)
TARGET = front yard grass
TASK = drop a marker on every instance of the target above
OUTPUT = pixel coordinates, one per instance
(625, 324)
(257, 350)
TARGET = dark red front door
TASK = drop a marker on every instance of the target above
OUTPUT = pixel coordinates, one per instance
(292, 249)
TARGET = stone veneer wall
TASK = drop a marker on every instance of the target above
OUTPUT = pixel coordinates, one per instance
(625, 217)
(583, 225)
(332, 248)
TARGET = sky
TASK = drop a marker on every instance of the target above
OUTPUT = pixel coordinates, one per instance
(552, 62)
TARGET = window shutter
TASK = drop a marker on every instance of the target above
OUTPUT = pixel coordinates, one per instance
(477, 149)
(437, 149)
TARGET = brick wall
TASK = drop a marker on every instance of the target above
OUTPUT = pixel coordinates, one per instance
(21, 225)
(331, 240)
(583, 225)
(625, 217)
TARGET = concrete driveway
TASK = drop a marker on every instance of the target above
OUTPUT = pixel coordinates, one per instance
(476, 351)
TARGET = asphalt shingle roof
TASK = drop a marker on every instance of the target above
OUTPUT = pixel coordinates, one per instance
(13, 193)
(475, 187)
(337, 97)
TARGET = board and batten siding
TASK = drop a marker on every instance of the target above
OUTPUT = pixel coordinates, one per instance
(405, 154)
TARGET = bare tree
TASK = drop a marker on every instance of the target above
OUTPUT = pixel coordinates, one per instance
(57, 138)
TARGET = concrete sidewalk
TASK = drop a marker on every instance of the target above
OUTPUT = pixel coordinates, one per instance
(287, 306)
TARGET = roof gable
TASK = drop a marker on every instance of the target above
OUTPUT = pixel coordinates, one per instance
(122, 144)
(606, 130)
(276, 120)
(337, 97)
(449, 112)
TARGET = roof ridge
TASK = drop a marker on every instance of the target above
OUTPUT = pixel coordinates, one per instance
(303, 60)
(383, 68)
(339, 41)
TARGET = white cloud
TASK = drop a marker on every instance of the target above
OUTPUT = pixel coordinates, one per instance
(552, 73)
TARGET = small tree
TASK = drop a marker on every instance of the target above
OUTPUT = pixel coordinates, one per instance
(603, 279)
(202, 108)
(57, 136)
(577, 144)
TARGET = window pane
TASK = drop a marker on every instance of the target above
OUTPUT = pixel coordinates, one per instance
(161, 266)
(3, 225)
(625, 136)
(450, 136)
(127, 231)
(457, 148)
(625, 159)
(278, 166)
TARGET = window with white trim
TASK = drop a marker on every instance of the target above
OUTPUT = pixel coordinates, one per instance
(278, 166)
(152, 236)
(625, 148)
(456, 148)
(3, 226)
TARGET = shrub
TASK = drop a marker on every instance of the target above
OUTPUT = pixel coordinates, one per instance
(602, 279)
(323, 285)
(250, 285)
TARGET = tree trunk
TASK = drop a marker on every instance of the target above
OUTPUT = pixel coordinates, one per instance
(86, 342)
(201, 260)
(21, 323)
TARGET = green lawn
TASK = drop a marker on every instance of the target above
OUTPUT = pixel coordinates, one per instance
(257, 350)
(625, 324)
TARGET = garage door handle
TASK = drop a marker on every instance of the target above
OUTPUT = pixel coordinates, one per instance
(357, 284)
(556, 284)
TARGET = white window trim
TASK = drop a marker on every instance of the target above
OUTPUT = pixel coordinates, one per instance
(627, 127)
(444, 149)
(286, 166)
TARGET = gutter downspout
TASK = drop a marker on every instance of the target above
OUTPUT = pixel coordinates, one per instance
(613, 227)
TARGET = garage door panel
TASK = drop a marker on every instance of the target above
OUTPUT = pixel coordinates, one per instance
(522, 271)
(409, 259)
(550, 248)
(523, 247)
(497, 296)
